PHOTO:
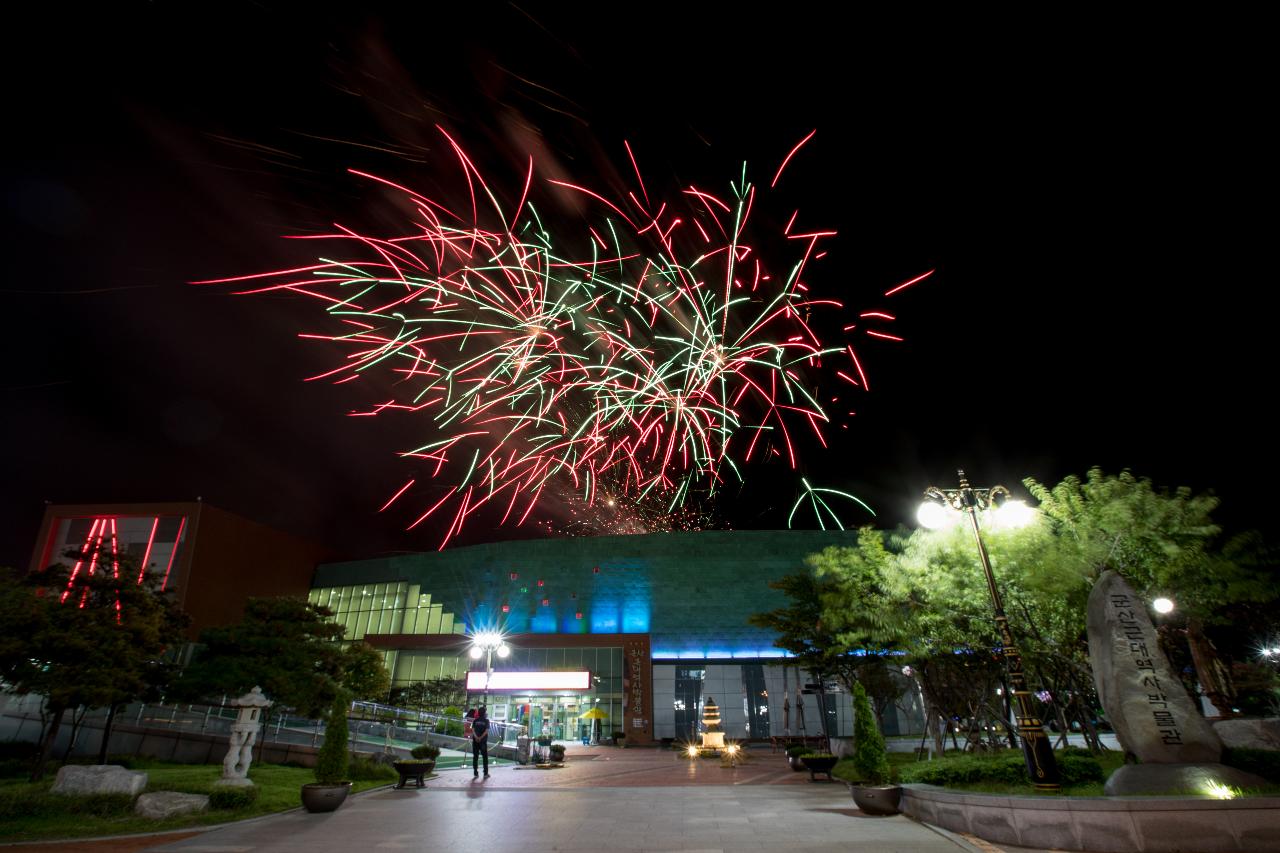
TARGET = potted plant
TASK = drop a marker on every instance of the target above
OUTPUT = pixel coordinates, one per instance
(331, 786)
(873, 792)
(795, 757)
(557, 752)
(417, 767)
(819, 762)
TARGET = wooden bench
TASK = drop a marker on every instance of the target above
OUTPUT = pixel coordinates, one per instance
(784, 742)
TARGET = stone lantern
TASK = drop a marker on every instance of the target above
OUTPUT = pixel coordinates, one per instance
(244, 731)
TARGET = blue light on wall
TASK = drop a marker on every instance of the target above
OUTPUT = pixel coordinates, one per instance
(635, 616)
(604, 618)
(543, 623)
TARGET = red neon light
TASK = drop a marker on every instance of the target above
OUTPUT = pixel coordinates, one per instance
(84, 548)
(181, 526)
(146, 556)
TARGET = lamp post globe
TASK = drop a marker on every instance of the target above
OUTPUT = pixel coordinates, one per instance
(485, 643)
(966, 502)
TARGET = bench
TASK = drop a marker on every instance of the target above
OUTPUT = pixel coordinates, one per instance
(784, 742)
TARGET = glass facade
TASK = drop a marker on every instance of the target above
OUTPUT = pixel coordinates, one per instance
(396, 607)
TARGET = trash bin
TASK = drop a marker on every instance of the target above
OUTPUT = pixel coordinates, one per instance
(522, 749)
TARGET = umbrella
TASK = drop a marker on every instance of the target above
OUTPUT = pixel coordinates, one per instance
(596, 714)
(786, 712)
(800, 709)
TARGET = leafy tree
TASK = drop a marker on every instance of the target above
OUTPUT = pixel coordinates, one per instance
(430, 695)
(364, 672)
(79, 638)
(286, 646)
(1164, 543)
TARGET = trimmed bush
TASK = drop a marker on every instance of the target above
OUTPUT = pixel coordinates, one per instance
(331, 762)
(227, 798)
(1007, 767)
(1262, 762)
(793, 751)
(426, 750)
(870, 758)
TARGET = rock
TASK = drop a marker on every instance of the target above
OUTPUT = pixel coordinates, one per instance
(163, 804)
(78, 779)
(1249, 734)
(1158, 779)
(1146, 704)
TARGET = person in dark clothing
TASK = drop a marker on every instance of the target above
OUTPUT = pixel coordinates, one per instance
(480, 742)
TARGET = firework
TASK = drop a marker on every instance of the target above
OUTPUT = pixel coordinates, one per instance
(644, 364)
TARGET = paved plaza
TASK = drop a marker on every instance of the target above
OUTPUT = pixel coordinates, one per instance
(602, 799)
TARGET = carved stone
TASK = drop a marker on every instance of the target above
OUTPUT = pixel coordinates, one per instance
(99, 779)
(163, 804)
(1249, 734)
(244, 731)
(1136, 779)
(1146, 704)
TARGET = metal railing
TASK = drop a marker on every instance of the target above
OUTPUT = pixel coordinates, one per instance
(377, 727)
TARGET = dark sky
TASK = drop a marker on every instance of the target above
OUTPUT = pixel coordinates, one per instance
(1092, 198)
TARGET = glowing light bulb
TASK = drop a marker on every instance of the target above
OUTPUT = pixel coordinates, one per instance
(1162, 605)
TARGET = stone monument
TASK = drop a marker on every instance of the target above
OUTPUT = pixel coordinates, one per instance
(1153, 717)
(244, 731)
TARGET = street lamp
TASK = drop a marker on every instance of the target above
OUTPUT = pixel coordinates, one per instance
(486, 643)
(950, 505)
(1162, 606)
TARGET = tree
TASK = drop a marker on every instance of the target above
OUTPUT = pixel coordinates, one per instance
(95, 635)
(364, 673)
(286, 646)
(1164, 543)
(430, 695)
(291, 649)
(870, 758)
(332, 761)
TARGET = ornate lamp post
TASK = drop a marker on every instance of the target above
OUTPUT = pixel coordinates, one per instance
(486, 643)
(934, 513)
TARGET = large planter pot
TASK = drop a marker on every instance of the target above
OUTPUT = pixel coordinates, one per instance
(877, 799)
(797, 763)
(324, 798)
(415, 770)
(819, 764)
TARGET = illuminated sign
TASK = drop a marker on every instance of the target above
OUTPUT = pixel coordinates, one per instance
(530, 681)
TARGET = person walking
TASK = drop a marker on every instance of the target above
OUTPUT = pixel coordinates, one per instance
(480, 743)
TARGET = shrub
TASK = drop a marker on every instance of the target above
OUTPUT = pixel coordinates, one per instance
(450, 727)
(870, 758)
(34, 801)
(793, 751)
(1007, 767)
(364, 769)
(18, 750)
(1262, 762)
(230, 798)
(426, 750)
(331, 763)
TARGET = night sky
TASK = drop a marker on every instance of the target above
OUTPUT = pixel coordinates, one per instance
(1093, 200)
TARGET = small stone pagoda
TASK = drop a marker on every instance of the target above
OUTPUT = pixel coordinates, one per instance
(712, 735)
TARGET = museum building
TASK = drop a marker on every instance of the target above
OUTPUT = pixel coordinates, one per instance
(646, 628)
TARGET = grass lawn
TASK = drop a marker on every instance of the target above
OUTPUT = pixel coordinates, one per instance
(28, 812)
